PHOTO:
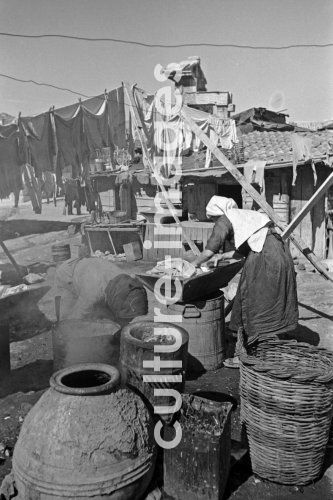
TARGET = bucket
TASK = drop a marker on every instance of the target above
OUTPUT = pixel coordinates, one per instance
(134, 352)
(79, 341)
(281, 206)
(204, 320)
(61, 252)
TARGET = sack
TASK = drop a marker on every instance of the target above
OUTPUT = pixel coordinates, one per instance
(126, 297)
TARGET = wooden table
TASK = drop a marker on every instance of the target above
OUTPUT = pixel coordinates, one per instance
(112, 237)
(199, 232)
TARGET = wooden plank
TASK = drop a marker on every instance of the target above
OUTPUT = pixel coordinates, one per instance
(308, 206)
(138, 125)
(253, 193)
(295, 207)
(307, 192)
(112, 244)
(318, 214)
(89, 243)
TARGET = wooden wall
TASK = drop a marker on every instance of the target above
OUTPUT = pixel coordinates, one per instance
(277, 181)
(312, 227)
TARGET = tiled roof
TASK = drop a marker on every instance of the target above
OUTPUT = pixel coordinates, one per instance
(275, 147)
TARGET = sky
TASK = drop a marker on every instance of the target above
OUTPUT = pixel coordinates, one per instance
(299, 80)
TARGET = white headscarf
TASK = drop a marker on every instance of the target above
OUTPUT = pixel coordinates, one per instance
(248, 225)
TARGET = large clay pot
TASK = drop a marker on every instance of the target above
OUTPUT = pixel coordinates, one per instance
(85, 438)
(134, 352)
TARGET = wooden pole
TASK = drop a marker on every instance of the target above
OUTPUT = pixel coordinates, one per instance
(12, 260)
(252, 192)
(138, 125)
(308, 206)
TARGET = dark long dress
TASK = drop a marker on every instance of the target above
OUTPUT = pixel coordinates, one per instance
(266, 298)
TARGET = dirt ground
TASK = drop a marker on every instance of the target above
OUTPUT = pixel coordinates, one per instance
(29, 238)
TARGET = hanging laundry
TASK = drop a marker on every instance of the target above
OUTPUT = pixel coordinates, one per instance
(95, 127)
(131, 137)
(254, 173)
(145, 108)
(226, 131)
(71, 141)
(93, 104)
(168, 140)
(10, 162)
(301, 151)
(39, 141)
(221, 133)
(116, 111)
(34, 186)
(68, 112)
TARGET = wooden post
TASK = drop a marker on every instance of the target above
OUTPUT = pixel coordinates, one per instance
(308, 206)
(12, 260)
(252, 192)
(138, 125)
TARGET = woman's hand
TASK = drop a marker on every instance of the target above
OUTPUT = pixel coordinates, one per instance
(216, 258)
(203, 257)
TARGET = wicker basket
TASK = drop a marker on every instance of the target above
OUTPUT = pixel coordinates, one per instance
(286, 406)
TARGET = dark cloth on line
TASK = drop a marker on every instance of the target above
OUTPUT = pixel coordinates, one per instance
(10, 164)
(266, 298)
(96, 129)
(7, 130)
(116, 110)
(71, 141)
(39, 141)
(92, 104)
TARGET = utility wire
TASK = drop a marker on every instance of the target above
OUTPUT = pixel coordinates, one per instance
(63, 89)
(44, 85)
(172, 46)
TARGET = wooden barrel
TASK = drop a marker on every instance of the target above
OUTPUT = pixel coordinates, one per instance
(4, 351)
(78, 341)
(204, 321)
(134, 352)
(61, 252)
(281, 206)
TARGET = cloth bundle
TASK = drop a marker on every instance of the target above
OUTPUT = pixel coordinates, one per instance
(174, 267)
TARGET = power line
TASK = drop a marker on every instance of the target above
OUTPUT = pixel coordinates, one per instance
(61, 88)
(42, 84)
(174, 46)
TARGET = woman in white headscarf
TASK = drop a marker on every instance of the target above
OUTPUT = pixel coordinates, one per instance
(266, 298)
